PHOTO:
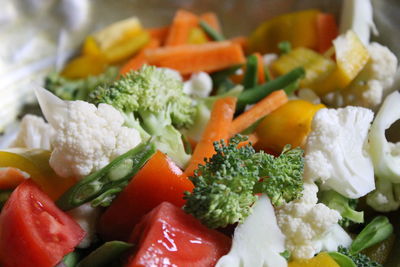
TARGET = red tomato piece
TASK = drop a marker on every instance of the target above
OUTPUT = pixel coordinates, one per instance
(158, 181)
(34, 231)
(167, 236)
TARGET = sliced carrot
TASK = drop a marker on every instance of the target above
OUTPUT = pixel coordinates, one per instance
(179, 31)
(139, 59)
(186, 59)
(259, 110)
(217, 128)
(212, 19)
(327, 31)
(242, 41)
(260, 68)
(11, 177)
(159, 34)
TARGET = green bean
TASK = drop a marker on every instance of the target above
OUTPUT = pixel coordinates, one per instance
(251, 75)
(70, 260)
(103, 185)
(255, 94)
(221, 76)
(105, 255)
(211, 32)
(285, 47)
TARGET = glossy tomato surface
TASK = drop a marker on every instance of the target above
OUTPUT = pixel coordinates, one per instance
(167, 236)
(34, 232)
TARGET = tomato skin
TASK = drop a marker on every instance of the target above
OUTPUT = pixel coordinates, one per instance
(159, 180)
(34, 231)
(167, 236)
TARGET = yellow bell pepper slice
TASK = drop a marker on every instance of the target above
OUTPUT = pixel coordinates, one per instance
(317, 66)
(91, 48)
(351, 57)
(126, 48)
(84, 66)
(321, 260)
(299, 28)
(35, 162)
(197, 36)
(289, 124)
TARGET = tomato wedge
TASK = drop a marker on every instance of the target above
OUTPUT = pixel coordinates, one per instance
(167, 236)
(34, 231)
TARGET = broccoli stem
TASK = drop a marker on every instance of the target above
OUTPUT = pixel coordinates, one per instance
(255, 94)
(251, 75)
(107, 182)
(211, 32)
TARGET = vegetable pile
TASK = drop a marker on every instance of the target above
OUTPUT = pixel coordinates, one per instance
(179, 146)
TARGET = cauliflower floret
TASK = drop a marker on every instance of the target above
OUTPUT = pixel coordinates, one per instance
(337, 152)
(304, 223)
(34, 132)
(86, 138)
(199, 86)
(374, 82)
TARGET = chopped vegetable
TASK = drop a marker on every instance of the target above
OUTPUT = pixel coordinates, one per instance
(359, 259)
(208, 57)
(327, 30)
(105, 255)
(225, 185)
(11, 177)
(180, 28)
(217, 128)
(33, 231)
(251, 74)
(101, 187)
(153, 102)
(212, 20)
(284, 47)
(167, 234)
(159, 180)
(322, 259)
(197, 36)
(84, 66)
(160, 34)
(211, 32)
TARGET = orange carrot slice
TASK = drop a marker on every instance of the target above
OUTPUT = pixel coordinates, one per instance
(159, 34)
(11, 177)
(259, 110)
(179, 31)
(217, 128)
(242, 41)
(206, 57)
(212, 19)
(260, 68)
(327, 31)
(139, 59)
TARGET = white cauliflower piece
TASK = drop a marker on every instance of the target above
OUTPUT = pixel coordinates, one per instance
(86, 138)
(258, 241)
(34, 132)
(199, 86)
(86, 216)
(375, 81)
(337, 151)
(304, 223)
(308, 95)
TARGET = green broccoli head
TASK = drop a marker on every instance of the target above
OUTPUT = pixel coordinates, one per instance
(149, 89)
(359, 259)
(226, 184)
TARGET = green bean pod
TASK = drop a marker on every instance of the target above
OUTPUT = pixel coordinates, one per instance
(105, 255)
(212, 33)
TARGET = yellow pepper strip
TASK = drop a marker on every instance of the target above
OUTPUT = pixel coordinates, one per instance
(35, 162)
(126, 48)
(298, 28)
(351, 57)
(197, 36)
(84, 66)
(289, 124)
(321, 260)
(91, 48)
(316, 66)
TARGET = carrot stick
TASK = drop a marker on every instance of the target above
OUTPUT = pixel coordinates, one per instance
(327, 31)
(242, 41)
(251, 138)
(217, 128)
(179, 31)
(186, 59)
(259, 110)
(11, 177)
(139, 59)
(212, 19)
(260, 68)
(159, 34)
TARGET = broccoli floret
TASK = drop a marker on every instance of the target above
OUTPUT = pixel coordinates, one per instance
(359, 259)
(225, 185)
(153, 101)
(345, 206)
(78, 89)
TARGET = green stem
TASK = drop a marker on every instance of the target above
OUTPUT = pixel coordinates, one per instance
(105, 255)
(250, 76)
(211, 32)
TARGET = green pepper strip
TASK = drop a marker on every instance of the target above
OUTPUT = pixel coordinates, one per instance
(250, 76)
(342, 260)
(376, 231)
(107, 182)
(211, 32)
(255, 94)
(105, 255)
